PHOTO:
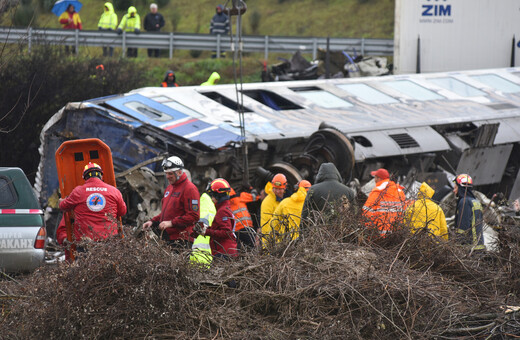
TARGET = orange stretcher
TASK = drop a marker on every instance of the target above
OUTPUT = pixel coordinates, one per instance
(71, 158)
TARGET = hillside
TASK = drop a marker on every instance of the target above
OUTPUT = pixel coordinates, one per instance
(337, 18)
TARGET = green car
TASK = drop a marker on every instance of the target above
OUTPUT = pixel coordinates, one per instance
(22, 231)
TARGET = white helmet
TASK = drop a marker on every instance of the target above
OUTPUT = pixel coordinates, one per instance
(172, 163)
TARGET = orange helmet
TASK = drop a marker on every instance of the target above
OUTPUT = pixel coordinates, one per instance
(279, 181)
(464, 180)
(92, 169)
(219, 186)
(304, 184)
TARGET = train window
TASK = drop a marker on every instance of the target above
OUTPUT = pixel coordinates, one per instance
(224, 101)
(148, 111)
(497, 83)
(457, 86)
(367, 94)
(183, 109)
(272, 100)
(322, 98)
(412, 90)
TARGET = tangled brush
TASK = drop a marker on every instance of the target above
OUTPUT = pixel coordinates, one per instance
(336, 281)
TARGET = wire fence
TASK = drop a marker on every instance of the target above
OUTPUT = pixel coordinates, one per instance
(188, 41)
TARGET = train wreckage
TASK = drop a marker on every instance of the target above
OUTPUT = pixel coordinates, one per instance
(423, 127)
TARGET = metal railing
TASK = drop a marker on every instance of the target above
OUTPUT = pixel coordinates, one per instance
(187, 41)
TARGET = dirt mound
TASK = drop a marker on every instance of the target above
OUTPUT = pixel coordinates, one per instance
(336, 282)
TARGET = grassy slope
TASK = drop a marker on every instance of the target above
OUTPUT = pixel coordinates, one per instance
(337, 18)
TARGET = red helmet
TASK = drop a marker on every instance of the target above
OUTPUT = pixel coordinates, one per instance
(279, 181)
(304, 184)
(92, 169)
(464, 180)
(219, 186)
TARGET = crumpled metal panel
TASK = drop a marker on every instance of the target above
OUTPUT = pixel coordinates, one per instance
(486, 165)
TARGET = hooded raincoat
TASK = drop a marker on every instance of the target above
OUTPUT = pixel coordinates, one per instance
(108, 20)
(268, 207)
(327, 191)
(286, 217)
(166, 83)
(425, 213)
(130, 23)
(212, 79)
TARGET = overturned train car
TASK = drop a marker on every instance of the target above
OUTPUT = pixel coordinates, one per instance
(419, 126)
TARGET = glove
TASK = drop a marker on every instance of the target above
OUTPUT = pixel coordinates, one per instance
(119, 31)
(200, 228)
(137, 31)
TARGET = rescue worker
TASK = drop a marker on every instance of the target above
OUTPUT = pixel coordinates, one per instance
(180, 206)
(212, 80)
(108, 22)
(287, 215)
(201, 249)
(274, 191)
(219, 25)
(326, 192)
(71, 21)
(222, 237)
(425, 213)
(385, 204)
(96, 205)
(469, 217)
(169, 80)
(131, 22)
(246, 234)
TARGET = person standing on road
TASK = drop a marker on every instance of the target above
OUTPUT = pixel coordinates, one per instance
(469, 217)
(180, 206)
(71, 21)
(153, 22)
(96, 205)
(108, 22)
(219, 25)
(131, 22)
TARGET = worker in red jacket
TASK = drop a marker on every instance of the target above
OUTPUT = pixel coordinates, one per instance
(223, 241)
(96, 205)
(180, 206)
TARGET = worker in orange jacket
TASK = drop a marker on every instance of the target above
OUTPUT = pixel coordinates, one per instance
(246, 235)
(386, 203)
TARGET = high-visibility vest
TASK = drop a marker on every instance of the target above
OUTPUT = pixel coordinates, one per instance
(385, 206)
(238, 204)
(201, 249)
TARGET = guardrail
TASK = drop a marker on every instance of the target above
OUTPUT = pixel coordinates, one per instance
(187, 41)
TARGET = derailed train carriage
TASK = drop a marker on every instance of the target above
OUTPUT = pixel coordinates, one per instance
(420, 127)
